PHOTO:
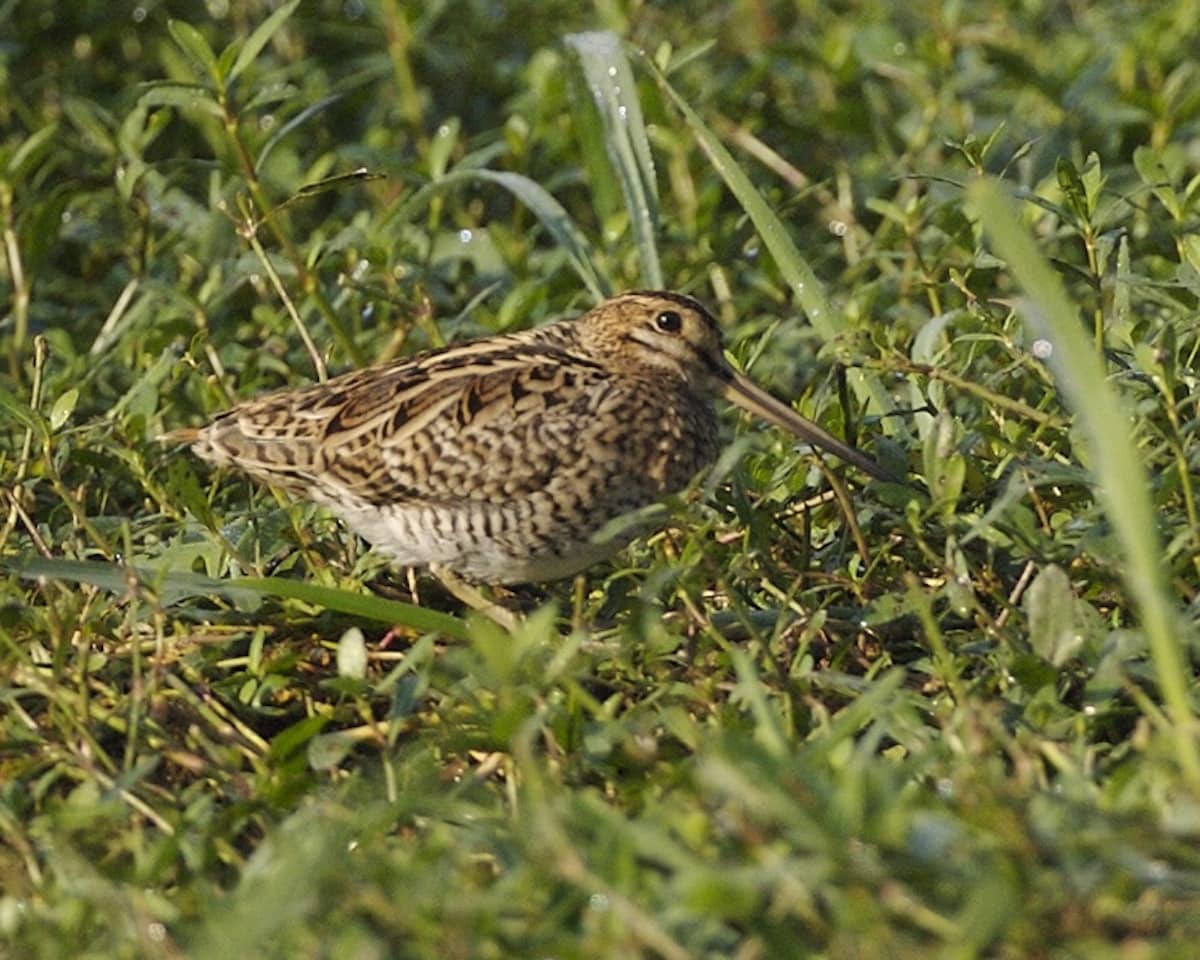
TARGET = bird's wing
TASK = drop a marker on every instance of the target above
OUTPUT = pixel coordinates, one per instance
(443, 428)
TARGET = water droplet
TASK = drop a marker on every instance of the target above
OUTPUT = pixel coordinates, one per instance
(66, 216)
(443, 130)
(612, 71)
(139, 14)
(598, 901)
(266, 121)
(465, 236)
(1042, 348)
(1157, 871)
(900, 48)
(623, 112)
(838, 228)
(368, 311)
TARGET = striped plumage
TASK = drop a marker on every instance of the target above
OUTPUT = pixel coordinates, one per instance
(503, 457)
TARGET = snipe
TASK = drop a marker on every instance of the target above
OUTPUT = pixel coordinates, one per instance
(501, 458)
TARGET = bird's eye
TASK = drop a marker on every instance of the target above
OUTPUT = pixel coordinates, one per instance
(669, 321)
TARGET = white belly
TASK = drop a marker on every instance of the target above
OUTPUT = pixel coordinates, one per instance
(492, 546)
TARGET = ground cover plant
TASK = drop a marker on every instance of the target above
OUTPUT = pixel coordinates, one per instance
(810, 717)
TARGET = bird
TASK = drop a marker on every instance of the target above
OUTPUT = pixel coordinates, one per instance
(502, 459)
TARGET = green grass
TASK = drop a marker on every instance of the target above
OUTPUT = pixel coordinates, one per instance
(951, 720)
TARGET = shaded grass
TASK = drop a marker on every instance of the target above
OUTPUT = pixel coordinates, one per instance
(744, 737)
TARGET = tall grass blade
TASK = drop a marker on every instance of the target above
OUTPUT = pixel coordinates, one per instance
(1121, 482)
(809, 291)
(550, 213)
(175, 585)
(610, 82)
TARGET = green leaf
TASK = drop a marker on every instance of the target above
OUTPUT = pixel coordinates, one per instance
(945, 466)
(63, 407)
(1093, 182)
(184, 486)
(441, 145)
(260, 38)
(191, 41)
(1148, 163)
(609, 79)
(1074, 191)
(10, 406)
(750, 691)
(31, 150)
(184, 96)
(1050, 607)
(329, 749)
(93, 122)
(288, 741)
(1189, 248)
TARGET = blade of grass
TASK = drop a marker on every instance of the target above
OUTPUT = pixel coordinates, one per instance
(297, 121)
(609, 78)
(550, 213)
(1122, 484)
(260, 38)
(809, 291)
(175, 585)
(364, 605)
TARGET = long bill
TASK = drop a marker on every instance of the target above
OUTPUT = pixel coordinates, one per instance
(748, 395)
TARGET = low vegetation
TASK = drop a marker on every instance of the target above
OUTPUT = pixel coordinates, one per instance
(813, 716)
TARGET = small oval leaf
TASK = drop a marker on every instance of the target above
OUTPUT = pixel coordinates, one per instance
(191, 41)
(352, 654)
(63, 407)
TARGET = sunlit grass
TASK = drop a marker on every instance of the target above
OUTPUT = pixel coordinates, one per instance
(808, 717)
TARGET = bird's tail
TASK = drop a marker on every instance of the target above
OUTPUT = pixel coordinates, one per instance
(182, 435)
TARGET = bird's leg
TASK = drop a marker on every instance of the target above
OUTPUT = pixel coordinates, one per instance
(474, 598)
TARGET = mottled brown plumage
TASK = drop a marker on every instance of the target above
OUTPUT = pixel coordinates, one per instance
(503, 457)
